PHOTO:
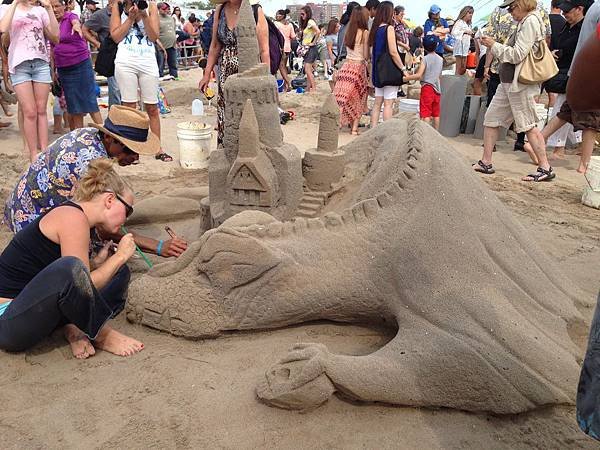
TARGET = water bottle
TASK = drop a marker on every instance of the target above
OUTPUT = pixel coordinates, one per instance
(197, 107)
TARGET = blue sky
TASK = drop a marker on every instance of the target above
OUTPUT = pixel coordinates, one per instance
(416, 10)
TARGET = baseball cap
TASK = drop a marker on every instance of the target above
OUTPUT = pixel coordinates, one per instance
(568, 5)
(507, 3)
(430, 42)
(163, 5)
(91, 2)
(435, 9)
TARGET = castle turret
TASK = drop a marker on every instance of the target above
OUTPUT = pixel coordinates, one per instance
(247, 43)
(324, 165)
(329, 125)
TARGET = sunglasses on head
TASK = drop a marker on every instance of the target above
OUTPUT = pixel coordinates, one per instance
(128, 207)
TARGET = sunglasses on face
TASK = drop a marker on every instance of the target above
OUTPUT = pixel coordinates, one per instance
(511, 7)
(128, 207)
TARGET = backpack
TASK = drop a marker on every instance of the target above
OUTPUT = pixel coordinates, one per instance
(276, 41)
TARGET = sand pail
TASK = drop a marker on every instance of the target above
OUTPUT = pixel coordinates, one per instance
(194, 144)
(591, 193)
(408, 105)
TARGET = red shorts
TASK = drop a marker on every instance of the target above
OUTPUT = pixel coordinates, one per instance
(429, 104)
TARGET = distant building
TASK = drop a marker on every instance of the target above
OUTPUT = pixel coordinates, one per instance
(322, 12)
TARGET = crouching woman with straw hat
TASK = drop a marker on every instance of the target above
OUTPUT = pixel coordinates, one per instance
(51, 179)
(47, 280)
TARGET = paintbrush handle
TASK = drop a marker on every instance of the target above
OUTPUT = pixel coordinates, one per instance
(137, 249)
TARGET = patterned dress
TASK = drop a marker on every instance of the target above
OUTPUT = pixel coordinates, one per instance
(51, 179)
(228, 65)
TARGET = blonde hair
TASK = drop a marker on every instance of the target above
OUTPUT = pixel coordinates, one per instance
(100, 177)
(527, 5)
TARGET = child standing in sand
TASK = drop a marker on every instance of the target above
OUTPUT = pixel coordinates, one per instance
(429, 73)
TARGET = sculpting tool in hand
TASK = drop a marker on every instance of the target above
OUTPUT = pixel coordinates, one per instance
(170, 232)
(137, 249)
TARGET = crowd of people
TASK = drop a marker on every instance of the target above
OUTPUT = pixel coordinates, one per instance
(46, 48)
(355, 50)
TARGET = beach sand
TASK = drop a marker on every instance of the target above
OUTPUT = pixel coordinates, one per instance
(200, 394)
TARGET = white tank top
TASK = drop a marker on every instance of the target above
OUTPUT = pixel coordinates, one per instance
(136, 51)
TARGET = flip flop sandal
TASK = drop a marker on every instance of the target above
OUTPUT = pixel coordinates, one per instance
(541, 175)
(481, 167)
(164, 157)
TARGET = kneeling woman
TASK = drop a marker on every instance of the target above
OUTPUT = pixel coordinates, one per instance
(45, 276)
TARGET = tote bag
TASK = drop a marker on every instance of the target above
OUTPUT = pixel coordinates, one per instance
(388, 72)
(105, 60)
(538, 66)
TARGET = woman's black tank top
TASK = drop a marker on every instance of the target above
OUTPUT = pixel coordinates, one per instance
(26, 255)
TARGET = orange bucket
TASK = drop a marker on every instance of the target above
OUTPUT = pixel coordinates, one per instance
(471, 61)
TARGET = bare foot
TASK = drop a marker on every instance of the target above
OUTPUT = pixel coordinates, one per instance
(56, 131)
(582, 168)
(557, 154)
(114, 342)
(81, 346)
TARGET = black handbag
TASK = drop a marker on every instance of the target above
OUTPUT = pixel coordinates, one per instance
(105, 60)
(388, 73)
(558, 83)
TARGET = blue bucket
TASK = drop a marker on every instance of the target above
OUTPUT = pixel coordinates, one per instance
(280, 85)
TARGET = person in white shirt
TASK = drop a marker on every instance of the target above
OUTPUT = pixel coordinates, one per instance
(135, 29)
(462, 33)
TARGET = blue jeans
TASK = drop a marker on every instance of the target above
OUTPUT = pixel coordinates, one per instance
(34, 70)
(114, 95)
(171, 61)
(588, 391)
(62, 293)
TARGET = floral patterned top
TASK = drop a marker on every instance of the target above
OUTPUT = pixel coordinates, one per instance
(52, 177)
(501, 26)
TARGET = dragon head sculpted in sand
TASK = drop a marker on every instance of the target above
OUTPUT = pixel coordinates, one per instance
(411, 238)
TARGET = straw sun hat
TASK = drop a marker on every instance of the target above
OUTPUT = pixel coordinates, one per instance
(132, 128)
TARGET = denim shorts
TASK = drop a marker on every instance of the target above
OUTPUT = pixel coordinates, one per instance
(35, 70)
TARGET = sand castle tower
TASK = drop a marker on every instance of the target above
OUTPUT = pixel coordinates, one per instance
(254, 169)
(325, 165)
(253, 81)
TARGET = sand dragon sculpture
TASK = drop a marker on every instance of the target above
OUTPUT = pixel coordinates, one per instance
(408, 237)
(481, 312)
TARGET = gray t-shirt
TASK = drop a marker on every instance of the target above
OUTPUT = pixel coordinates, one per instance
(99, 23)
(434, 64)
(588, 28)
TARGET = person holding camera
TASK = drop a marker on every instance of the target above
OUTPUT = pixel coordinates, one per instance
(95, 30)
(134, 26)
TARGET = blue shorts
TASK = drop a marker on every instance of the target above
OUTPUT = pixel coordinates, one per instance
(36, 70)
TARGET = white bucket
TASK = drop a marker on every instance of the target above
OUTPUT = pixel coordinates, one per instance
(542, 113)
(592, 174)
(591, 194)
(194, 144)
(408, 105)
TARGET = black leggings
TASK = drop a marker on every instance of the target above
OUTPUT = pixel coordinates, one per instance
(62, 293)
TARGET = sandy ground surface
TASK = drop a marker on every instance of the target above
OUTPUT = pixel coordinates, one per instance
(184, 394)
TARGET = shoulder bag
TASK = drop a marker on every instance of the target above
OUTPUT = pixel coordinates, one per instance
(388, 72)
(105, 60)
(538, 66)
